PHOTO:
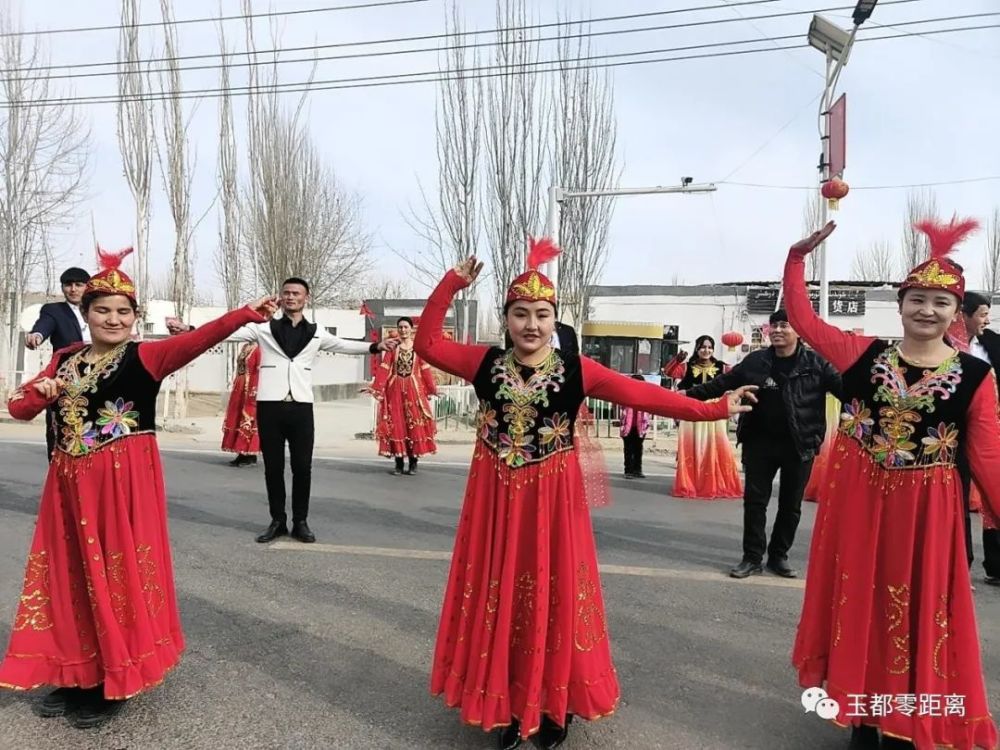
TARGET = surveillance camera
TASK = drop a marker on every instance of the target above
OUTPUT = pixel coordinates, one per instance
(685, 181)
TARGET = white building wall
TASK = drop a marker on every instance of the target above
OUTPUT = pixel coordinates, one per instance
(209, 373)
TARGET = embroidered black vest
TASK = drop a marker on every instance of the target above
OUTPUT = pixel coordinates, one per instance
(113, 398)
(904, 416)
(528, 414)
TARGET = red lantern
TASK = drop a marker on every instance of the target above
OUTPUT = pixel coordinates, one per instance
(833, 190)
(732, 340)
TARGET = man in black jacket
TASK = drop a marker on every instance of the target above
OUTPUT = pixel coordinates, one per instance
(782, 434)
(984, 344)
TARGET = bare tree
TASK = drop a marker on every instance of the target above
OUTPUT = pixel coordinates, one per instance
(991, 263)
(516, 112)
(920, 205)
(135, 136)
(384, 287)
(877, 262)
(298, 219)
(811, 222)
(228, 256)
(584, 158)
(43, 155)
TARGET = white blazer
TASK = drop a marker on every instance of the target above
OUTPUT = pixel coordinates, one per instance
(281, 376)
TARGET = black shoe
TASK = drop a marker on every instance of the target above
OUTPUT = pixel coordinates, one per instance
(95, 710)
(413, 467)
(781, 568)
(895, 743)
(398, 470)
(509, 737)
(551, 735)
(863, 737)
(276, 529)
(301, 531)
(639, 475)
(746, 569)
(628, 475)
(991, 581)
(59, 702)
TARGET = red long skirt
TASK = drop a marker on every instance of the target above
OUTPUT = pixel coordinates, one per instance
(706, 462)
(98, 603)
(888, 609)
(406, 425)
(523, 631)
(239, 429)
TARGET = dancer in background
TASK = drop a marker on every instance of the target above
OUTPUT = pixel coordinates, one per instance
(888, 609)
(522, 644)
(706, 459)
(98, 616)
(239, 429)
(634, 426)
(406, 427)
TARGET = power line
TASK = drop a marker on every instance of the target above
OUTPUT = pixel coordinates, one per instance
(908, 186)
(476, 32)
(239, 17)
(437, 76)
(580, 35)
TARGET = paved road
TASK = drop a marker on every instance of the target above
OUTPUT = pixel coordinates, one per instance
(328, 646)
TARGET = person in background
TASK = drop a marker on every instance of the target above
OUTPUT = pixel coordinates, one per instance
(239, 428)
(634, 427)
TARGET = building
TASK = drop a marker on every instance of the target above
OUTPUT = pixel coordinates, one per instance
(631, 328)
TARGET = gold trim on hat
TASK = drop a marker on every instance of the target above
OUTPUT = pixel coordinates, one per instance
(932, 275)
(112, 281)
(533, 288)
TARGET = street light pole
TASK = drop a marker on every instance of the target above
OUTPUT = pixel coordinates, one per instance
(558, 195)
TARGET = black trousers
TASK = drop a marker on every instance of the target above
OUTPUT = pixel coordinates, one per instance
(633, 452)
(762, 461)
(279, 422)
(991, 537)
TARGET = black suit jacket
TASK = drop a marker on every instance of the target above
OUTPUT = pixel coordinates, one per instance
(991, 343)
(57, 323)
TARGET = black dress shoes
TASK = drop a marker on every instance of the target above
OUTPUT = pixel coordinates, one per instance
(551, 735)
(895, 743)
(276, 529)
(413, 466)
(781, 568)
(244, 459)
(95, 710)
(509, 737)
(301, 531)
(398, 468)
(746, 569)
(59, 702)
(863, 737)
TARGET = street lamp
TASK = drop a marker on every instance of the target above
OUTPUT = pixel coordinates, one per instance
(863, 11)
(828, 38)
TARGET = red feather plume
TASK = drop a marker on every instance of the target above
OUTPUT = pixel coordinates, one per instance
(943, 237)
(541, 251)
(108, 260)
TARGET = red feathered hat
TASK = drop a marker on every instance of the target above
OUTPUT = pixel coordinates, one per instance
(110, 279)
(532, 285)
(940, 272)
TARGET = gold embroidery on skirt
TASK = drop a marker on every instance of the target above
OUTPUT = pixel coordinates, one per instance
(34, 611)
(524, 613)
(554, 636)
(118, 589)
(897, 612)
(589, 630)
(151, 590)
(941, 618)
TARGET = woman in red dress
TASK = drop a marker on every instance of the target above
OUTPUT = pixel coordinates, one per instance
(706, 461)
(403, 382)
(522, 643)
(98, 615)
(239, 430)
(888, 624)
(820, 467)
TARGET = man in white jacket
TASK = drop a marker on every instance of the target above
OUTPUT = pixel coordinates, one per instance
(288, 348)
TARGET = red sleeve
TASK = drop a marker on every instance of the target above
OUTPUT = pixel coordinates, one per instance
(25, 403)
(839, 348)
(427, 375)
(675, 369)
(431, 345)
(160, 358)
(983, 444)
(382, 371)
(602, 383)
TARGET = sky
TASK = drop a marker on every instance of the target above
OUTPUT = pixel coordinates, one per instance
(922, 109)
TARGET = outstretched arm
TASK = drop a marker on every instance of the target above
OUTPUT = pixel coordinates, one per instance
(840, 348)
(600, 382)
(430, 344)
(27, 401)
(983, 444)
(46, 323)
(160, 358)
(727, 381)
(330, 343)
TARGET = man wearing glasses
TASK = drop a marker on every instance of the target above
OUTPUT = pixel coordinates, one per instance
(781, 435)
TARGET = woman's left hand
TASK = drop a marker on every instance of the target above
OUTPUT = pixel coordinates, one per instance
(814, 240)
(266, 307)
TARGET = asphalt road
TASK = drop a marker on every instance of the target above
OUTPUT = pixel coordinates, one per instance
(328, 646)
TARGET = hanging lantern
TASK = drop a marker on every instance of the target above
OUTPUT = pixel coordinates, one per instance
(833, 190)
(732, 340)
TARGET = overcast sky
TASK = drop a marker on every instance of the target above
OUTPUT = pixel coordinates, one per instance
(922, 109)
